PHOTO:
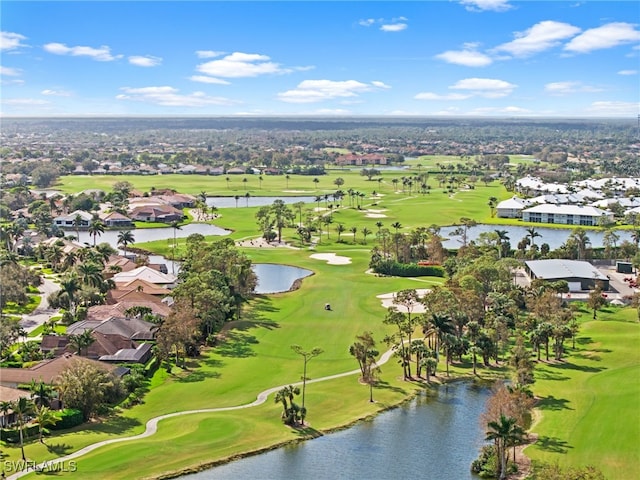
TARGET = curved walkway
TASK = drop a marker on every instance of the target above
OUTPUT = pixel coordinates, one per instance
(152, 425)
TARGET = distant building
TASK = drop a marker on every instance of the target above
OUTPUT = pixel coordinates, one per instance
(578, 274)
(512, 208)
(566, 214)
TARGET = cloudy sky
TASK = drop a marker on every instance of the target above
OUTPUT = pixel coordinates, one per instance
(458, 57)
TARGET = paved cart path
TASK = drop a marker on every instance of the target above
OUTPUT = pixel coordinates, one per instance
(152, 425)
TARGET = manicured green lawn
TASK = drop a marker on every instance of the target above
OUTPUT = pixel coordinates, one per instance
(588, 414)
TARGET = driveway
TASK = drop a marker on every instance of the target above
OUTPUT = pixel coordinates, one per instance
(44, 312)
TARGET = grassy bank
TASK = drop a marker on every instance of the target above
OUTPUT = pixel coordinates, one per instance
(588, 413)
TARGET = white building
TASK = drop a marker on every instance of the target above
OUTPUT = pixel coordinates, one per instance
(566, 214)
(512, 208)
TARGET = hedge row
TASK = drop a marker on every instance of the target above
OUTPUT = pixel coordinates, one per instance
(69, 417)
(396, 269)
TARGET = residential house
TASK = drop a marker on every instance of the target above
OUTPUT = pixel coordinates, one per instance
(116, 220)
(46, 371)
(148, 274)
(69, 221)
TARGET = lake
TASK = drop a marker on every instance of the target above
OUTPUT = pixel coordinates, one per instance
(274, 278)
(229, 202)
(435, 436)
(151, 234)
(555, 237)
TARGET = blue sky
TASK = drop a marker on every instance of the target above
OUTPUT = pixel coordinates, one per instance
(459, 58)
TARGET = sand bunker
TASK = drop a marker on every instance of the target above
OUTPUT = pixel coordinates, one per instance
(331, 258)
(376, 215)
(388, 301)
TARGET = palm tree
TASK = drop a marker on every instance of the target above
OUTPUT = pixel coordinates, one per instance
(90, 274)
(77, 222)
(246, 198)
(125, 237)
(227, 179)
(244, 182)
(287, 177)
(22, 408)
(96, 229)
(316, 182)
(503, 432)
(532, 234)
(438, 325)
(582, 241)
(306, 355)
(354, 230)
(44, 417)
(365, 232)
(82, 340)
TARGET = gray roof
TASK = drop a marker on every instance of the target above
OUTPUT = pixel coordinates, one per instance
(559, 269)
(128, 354)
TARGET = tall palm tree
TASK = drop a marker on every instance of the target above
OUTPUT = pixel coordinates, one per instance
(96, 229)
(504, 432)
(22, 409)
(125, 237)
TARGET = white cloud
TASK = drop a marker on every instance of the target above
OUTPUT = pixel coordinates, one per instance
(393, 27)
(611, 109)
(10, 72)
(102, 54)
(567, 88)
(169, 97)
(436, 96)
(515, 110)
(606, 36)
(238, 65)
(56, 93)
(628, 72)
(11, 41)
(310, 91)
(485, 87)
(467, 57)
(542, 36)
(145, 61)
(208, 53)
(205, 79)
(483, 5)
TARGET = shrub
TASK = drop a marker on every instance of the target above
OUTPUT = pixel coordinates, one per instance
(390, 267)
(69, 417)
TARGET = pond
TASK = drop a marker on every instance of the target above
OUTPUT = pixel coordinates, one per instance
(151, 234)
(555, 237)
(243, 201)
(274, 278)
(435, 436)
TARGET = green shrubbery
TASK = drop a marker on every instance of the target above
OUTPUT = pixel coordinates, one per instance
(69, 417)
(396, 269)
